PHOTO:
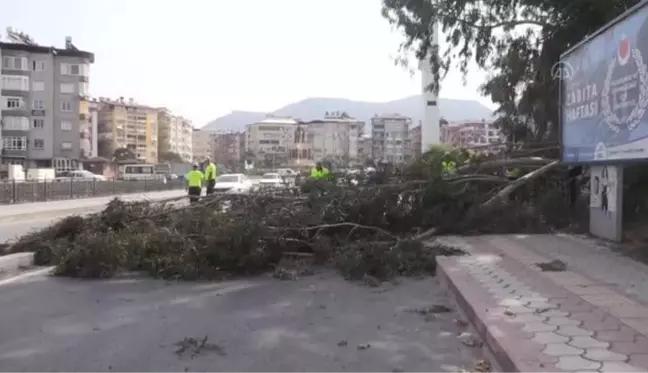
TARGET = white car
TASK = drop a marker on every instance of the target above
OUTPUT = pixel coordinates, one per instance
(271, 180)
(79, 175)
(233, 183)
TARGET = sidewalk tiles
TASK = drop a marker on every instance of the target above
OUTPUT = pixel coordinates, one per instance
(544, 321)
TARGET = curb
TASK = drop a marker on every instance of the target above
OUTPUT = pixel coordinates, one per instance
(13, 263)
(497, 336)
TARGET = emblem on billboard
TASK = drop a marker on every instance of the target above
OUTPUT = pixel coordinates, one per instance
(625, 53)
(562, 70)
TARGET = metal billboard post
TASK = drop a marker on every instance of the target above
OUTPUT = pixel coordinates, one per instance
(603, 99)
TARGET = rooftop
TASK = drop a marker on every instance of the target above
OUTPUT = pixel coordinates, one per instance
(20, 41)
(278, 120)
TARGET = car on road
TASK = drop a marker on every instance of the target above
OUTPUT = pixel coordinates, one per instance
(233, 183)
(81, 175)
(271, 180)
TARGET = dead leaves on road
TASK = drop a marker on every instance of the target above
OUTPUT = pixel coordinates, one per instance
(192, 347)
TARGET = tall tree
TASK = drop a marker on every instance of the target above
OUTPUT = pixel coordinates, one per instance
(516, 41)
(171, 157)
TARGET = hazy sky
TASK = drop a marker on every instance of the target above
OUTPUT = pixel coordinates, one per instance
(206, 58)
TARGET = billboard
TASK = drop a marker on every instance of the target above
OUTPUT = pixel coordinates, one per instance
(604, 94)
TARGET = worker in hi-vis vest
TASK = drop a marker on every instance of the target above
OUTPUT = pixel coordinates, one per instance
(320, 172)
(449, 167)
(195, 180)
(210, 175)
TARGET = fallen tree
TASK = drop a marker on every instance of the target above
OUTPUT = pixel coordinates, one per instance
(374, 227)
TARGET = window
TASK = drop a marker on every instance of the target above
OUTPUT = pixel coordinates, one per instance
(74, 69)
(14, 103)
(38, 86)
(64, 164)
(15, 123)
(39, 143)
(38, 123)
(66, 145)
(38, 105)
(17, 83)
(67, 88)
(38, 65)
(84, 89)
(66, 125)
(66, 106)
(14, 63)
(14, 143)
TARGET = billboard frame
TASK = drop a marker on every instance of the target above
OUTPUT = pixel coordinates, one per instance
(570, 51)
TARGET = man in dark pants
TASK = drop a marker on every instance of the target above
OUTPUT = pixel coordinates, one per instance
(210, 176)
(195, 180)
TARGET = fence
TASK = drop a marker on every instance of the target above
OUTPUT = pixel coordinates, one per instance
(12, 191)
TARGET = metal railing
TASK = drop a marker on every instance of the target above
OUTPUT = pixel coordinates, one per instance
(12, 191)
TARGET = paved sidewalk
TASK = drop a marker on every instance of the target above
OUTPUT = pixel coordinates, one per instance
(589, 317)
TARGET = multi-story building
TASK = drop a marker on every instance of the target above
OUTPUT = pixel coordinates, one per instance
(175, 135)
(390, 137)
(202, 144)
(269, 142)
(470, 134)
(416, 141)
(89, 128)
(128, 125)
(335, 138)
(229, 148)
(365, 149)
(44, 104)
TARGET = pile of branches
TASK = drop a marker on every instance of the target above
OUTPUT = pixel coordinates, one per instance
(373, 226)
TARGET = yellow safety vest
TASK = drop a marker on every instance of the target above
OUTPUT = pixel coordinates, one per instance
(449, 166)
(195, 178)
(317, 174)
(210, 172)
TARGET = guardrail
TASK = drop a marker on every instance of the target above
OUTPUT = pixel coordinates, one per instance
(12, 191)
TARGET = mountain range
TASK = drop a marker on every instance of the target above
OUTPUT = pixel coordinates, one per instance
(315, 108)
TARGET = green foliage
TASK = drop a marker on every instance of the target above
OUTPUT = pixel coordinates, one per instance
(368, 228)
(124, 154)
(171, 157)
(516, 41)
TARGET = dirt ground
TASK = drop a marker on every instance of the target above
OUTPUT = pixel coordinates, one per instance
(316, 323)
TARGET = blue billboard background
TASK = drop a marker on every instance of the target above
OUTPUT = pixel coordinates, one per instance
(606, 61)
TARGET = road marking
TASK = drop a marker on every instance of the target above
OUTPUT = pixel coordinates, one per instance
(26, 275)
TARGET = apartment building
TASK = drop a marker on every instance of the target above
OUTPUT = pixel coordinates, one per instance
(229, 148)
(175, 135)
(415, 137)
(473, 133)
(365, 149)
(89, 128)
(390, 138)
(202, 143)
(337, 138)
(269, 142)
(44, 103)
(125, 124)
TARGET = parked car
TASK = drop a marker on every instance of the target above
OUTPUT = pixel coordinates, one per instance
(233, 183)
(271, 180)
(287, 172)
(79, 175)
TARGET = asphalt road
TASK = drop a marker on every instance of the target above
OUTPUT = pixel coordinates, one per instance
(22, 210)
(32, 216)
(318, 323)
